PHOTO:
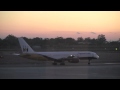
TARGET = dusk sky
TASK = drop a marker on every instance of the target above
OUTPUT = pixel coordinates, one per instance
(51, 24)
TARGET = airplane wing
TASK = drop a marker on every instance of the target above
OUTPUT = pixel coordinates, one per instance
(55, 56)
(48, 57)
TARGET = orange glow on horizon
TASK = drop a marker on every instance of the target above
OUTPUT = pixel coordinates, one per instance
(60, 23)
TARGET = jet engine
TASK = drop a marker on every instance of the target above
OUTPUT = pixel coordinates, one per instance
(73, 59)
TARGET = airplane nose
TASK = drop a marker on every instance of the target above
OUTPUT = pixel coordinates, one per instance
(97, 56)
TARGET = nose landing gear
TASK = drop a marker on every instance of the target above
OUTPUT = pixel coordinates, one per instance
(89, 61)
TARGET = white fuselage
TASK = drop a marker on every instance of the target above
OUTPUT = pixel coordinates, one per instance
(65, 54)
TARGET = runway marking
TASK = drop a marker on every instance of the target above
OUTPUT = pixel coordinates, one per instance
(111, 63)
(74, 74)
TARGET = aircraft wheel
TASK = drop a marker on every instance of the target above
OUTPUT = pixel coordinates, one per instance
(54, 63)
(88, 62)
(62, 63)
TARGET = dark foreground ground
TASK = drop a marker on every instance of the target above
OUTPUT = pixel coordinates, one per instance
(106, 67)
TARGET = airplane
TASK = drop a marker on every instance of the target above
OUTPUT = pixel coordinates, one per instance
(59, 56)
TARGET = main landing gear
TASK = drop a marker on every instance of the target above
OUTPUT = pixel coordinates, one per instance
(54, 63)
(89, 61)
(61, 63)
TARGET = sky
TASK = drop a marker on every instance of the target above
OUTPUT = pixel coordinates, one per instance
(52, 24)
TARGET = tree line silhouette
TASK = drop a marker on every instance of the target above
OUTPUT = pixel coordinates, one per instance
(60, 43)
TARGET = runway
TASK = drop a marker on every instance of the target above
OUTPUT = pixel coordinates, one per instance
(15, 67)
(61, 72)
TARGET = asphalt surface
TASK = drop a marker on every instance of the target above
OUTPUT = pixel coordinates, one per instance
(106, 67)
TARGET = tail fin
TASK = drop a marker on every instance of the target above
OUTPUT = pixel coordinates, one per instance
(24, 46)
